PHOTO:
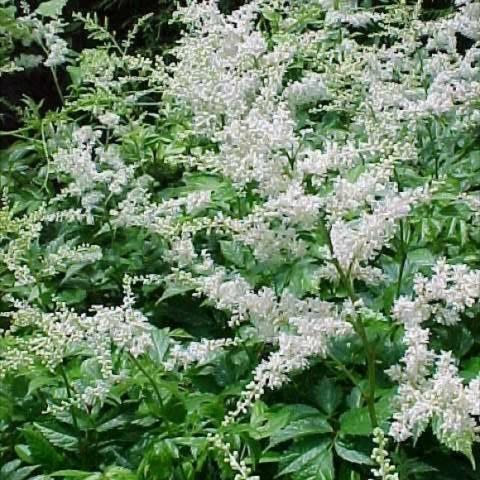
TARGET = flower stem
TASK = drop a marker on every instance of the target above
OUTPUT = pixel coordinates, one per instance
(57, 85)
(149, 378)
(360, 329)
(370, 354)
(70, 396)
(403, 260)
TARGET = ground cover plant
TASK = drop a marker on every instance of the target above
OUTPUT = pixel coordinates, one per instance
(252, 253)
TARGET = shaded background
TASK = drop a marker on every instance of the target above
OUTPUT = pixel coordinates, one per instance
(157, 35)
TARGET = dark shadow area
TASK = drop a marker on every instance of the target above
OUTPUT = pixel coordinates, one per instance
(158, 34)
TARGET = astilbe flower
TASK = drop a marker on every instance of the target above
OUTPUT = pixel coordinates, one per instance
(63, 333)
(230, 81)
(17, 234)
(385, 470)
(91, 170)
(197, 352)
(254, 130)
(430, 389)
(47, 34)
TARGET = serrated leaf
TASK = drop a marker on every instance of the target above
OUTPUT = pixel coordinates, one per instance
(351, 455)
(235, 253)
(327, 395)
(72, 296)
(199, 181)
(118, 421)
(357, 420)
(39, 382)
(160, 344)
(174, 290)
(10, 467)
(265, 425)
(471, 368)
(311, 460)
(71, 271)
(58, 439)
(22, 473)
(75, 76)
(299, 429)
(421, 257)
(41, 449)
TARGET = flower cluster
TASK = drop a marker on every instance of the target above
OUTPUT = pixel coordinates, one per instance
(63, 332)
(430, 387)
(294, 192)
(385, 470)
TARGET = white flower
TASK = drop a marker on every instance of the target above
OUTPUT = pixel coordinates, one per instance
(109, 119)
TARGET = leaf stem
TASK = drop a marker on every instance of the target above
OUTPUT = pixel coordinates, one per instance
(149, 378)
(348, 373)
(70, 396)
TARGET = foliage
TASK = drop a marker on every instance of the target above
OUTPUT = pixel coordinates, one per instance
(253, 255)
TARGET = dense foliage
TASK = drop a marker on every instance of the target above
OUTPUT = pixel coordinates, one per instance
(254, 254)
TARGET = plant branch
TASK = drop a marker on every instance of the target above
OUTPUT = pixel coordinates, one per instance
(360, 329)
(70, 396)
(149, 378)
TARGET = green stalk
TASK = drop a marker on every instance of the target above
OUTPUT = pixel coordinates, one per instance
(57, 84)
(403, 260)
(70, 396)
(360, 329)
(149, 378)
(370, 353)
(47, 156)
(349, 374)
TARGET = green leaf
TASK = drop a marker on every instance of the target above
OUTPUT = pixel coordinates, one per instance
(70, 474)
(263, 425)
(174, 290)
(200, 181)
(39, 382)
(421, 257)
(71, 271)
(174, 410)
(327, 395)
(310, 460)
(471, 368)
(160, 344)
(300, 428)
(24, 453)
(236, 253)
(14, 471)
(351, 455)
(52, 8)
(22, 473)
(456, 338)
(72, 296)
(75, 76)
(119, 473)
(303, 277)
(357, 420)
(159, 460)
(41, 449)
(58, 439)
(10, 467)
(118, 421)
